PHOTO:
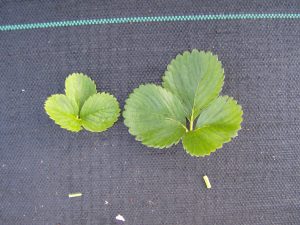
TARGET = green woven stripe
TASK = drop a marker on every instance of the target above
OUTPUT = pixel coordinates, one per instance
(69, 23)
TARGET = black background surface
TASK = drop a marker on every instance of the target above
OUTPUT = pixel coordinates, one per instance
(255, 177)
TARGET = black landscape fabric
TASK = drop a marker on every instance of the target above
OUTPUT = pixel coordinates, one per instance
(255, 178)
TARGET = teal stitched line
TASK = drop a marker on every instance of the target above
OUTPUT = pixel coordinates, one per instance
(70, 23)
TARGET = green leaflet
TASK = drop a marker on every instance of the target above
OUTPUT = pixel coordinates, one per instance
(157, 115)
(196, 78)
(63, 111)
(79, 87)
(99, 112)
(216, 125)
(82, 106)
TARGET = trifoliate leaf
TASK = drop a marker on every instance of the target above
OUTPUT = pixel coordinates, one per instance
(64, 112)
(82, 106)
(196, 78)
(155, 116)
(79, 87)
(216, 125)
(99, 112)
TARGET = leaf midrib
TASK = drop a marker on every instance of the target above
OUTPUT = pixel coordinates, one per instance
(169, 118)
(206, 72)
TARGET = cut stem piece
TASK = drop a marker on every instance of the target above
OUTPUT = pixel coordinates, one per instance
(74, 195)
(207, 183)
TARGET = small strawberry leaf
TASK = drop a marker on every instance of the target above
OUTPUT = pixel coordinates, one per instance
(157, 116)
(63, 111)
(79, 87)
(99, 112)
(82, 106)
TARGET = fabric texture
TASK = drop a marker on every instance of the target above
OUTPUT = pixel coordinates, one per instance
(255, 178)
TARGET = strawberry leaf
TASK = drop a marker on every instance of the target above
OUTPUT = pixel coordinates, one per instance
(196, 78)
(157, 115)
(79, 87)
(63, 111)
(216, 125)
(154, 116)
(82, 106)
(99, 112)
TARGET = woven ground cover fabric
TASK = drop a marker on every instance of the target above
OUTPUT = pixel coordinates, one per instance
(255, 178)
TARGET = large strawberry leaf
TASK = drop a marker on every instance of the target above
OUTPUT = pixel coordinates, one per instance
(82, 106)
(157, 116)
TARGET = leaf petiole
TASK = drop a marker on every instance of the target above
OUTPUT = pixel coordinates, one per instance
(192, 121)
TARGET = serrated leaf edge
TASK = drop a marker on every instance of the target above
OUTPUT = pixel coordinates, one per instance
(79, 74)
